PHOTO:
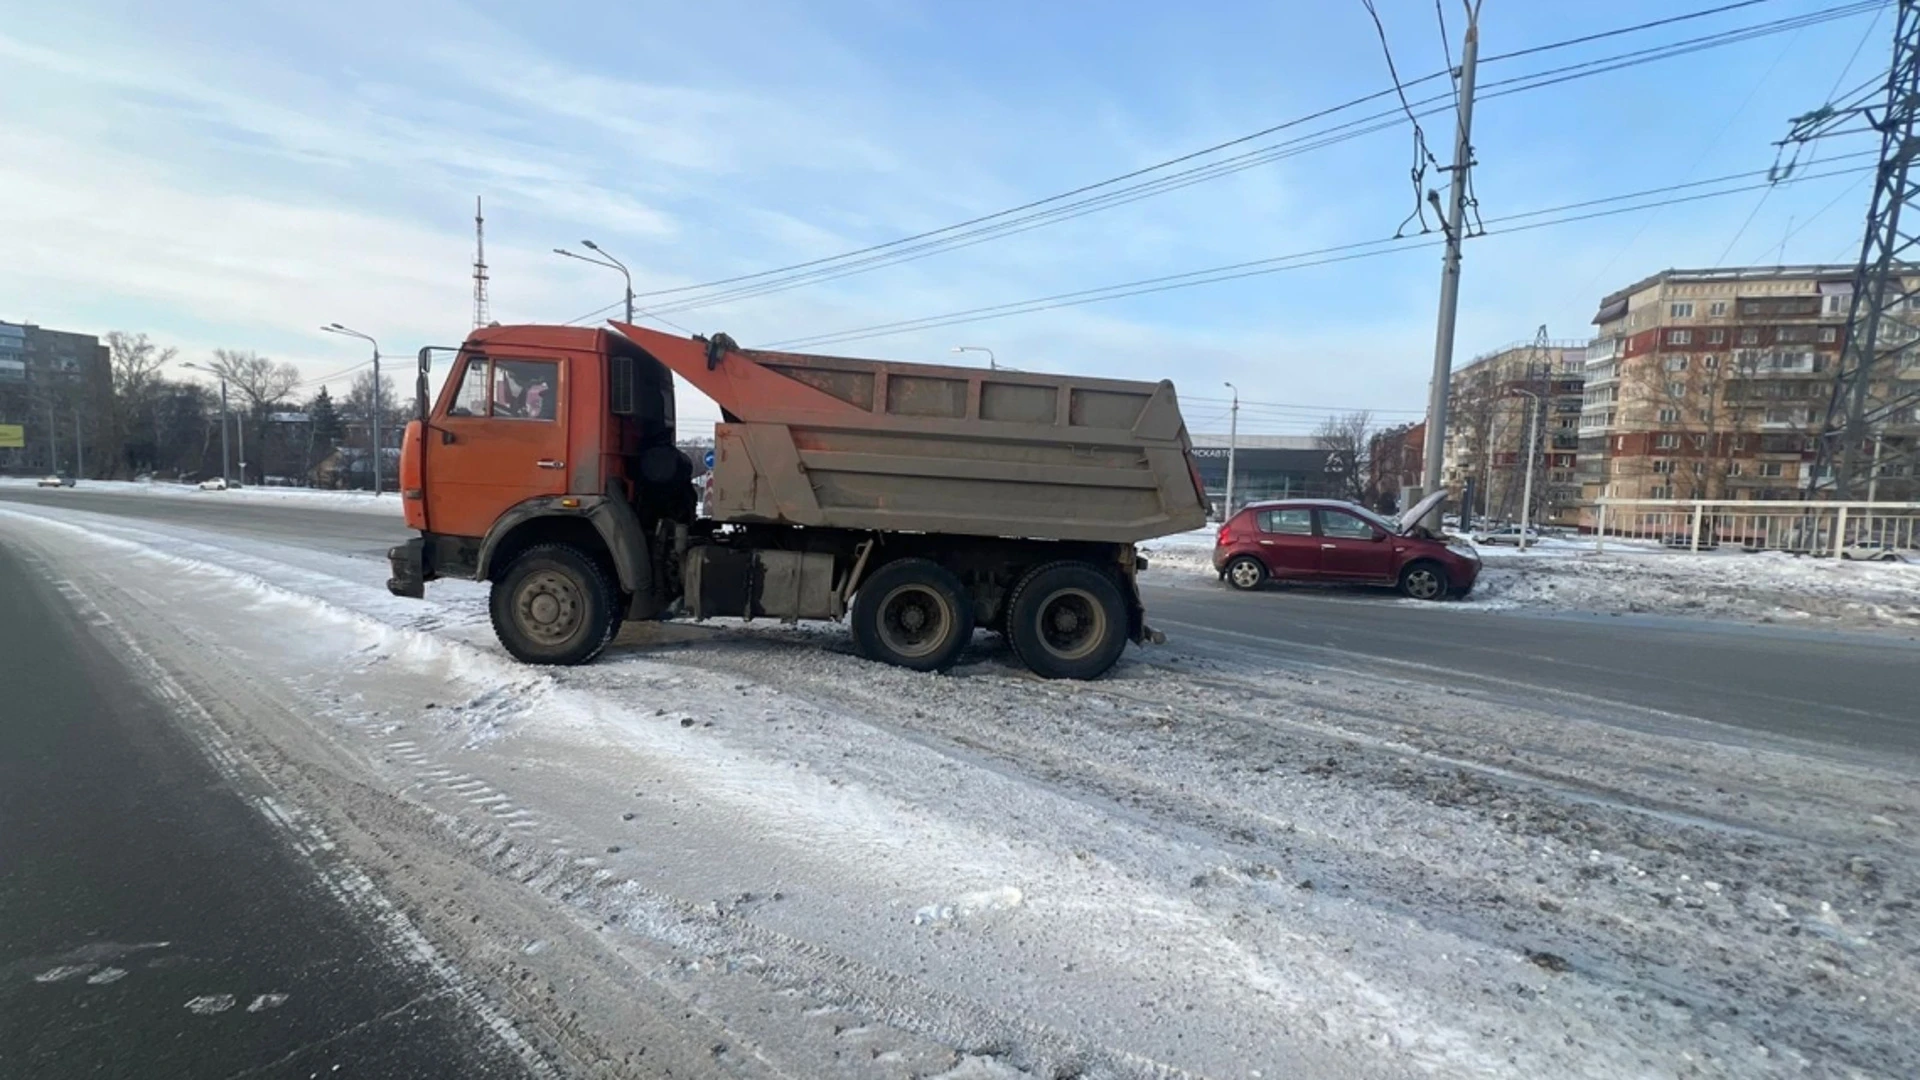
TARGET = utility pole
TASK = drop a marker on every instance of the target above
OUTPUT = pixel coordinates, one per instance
(79, 449)
(53, 454)
(240, 430)
(225, 476)
(1436, 440)
(1233, 448)
(607, 261)
(374, 420)
(1533, 451)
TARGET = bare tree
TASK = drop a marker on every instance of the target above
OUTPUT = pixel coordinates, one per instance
(260, 381)
(1347, 440)
(136, 363)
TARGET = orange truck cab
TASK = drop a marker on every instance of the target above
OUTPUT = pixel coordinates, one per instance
(922, 500)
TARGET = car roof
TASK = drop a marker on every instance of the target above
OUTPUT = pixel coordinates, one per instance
(1271, 503)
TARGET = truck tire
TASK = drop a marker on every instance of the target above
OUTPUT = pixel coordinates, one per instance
(1067, 620)
(555, 605)
(913, 614)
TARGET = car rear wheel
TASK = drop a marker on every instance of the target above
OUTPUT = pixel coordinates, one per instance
(555, 605)
(1246, 573)
(913, 614)
(1424, 581)
(1067, 620)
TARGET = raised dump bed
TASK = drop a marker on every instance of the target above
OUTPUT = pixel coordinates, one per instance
(838, 442)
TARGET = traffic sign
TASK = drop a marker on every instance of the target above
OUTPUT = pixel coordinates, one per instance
(709, 459)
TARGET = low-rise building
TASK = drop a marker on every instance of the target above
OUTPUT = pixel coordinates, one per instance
(58, 386)
(1487, 419)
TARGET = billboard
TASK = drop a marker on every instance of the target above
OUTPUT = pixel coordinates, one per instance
(12, 436)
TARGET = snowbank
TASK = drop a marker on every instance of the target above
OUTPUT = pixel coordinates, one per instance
(359, 502)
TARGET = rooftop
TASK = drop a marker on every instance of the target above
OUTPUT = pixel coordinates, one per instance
(1836, 271)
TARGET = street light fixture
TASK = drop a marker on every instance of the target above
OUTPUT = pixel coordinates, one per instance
(336, 328)
(610, 263)
(992, 364)
(225, 475)
(1233, 446)
(1533, 434)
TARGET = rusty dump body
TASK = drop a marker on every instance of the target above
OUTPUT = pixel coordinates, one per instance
(836, 442)
(918, 502)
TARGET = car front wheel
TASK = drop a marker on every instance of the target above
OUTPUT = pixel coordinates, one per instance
(1246, 573)
(1424, 581)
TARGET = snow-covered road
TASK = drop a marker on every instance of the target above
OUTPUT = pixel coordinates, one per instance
(734, 851)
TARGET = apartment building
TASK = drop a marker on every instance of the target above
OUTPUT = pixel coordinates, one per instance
(52, 384)
(1395, 462)
(1490, 403)
(1714, 384)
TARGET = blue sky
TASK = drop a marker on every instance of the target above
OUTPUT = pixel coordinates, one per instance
(227, 179)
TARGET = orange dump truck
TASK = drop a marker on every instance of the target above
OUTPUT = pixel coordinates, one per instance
(921, 501)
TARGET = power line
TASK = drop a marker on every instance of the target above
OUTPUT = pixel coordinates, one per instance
(1422, 156)
(1301, 144)
(1654, 25)
(816, 265)
(1276, 264)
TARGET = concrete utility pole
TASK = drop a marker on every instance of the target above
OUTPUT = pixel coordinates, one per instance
(1436, 440)
(79, 449)
(1533, 451)
(374, 420)
(53, 453)
(1233, 448)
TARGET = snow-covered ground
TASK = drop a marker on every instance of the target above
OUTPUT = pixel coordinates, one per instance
(359, 502)
(1638, 577)
(744, 852)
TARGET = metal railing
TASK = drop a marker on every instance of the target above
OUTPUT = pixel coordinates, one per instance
(1806, 528)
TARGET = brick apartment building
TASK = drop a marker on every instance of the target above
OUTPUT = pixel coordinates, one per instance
(1486, 440)
(1396, 460)
(1713, 384)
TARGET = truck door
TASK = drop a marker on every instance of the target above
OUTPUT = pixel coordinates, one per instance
(502, 440)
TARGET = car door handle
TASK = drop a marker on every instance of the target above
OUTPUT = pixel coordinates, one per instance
(1269, 543)
(1330, 545)
(549, 463)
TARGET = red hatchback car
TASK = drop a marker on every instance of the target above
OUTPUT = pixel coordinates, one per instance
(1331, 541)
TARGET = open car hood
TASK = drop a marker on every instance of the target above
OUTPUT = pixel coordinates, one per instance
(1410, 520)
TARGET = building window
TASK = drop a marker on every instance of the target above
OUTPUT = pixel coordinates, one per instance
(1750, 336)
(1677, 389)
(1829, 335)
(1680, 311)
(1699, 442)
(1664, 442)
(1771, 468)
(1716, 337)
(1660, 491)
(1669, 416)
(1699, 468)
(1715, 310)
(1739, 442)
(1620, 442)
(1679, 337)
(1837, 303)
(1733, 468)
(1662, 466)
(1711, 363)
(1676, 363)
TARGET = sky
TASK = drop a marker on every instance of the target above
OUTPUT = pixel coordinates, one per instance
(238, 175)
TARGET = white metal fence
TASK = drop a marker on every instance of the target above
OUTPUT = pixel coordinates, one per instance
(1808, 528)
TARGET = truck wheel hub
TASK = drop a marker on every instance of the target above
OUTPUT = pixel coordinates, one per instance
(913, 620)
(1072, 624)
(549, 607)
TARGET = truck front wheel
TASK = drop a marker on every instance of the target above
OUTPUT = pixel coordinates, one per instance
(1067, 620)
(555, 605)
(913, 614)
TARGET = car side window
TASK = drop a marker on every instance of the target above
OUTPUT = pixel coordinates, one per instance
(525, 389)
(1290, 522)
(1344, 526)
(471, 399)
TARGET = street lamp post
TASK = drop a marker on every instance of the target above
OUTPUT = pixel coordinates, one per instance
(336, 328)
(992, 364)
(226, 477)
(610, 263)
(1233, 448)
(1526, 489)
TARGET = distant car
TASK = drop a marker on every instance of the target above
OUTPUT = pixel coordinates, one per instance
(1871, 551)
(1505, 534)
(213, 484)
(56, 481)
(1325, 540)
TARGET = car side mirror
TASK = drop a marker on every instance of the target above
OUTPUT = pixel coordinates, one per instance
(1378, 536)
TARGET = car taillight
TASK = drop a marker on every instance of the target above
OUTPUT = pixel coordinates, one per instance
(1225, 537)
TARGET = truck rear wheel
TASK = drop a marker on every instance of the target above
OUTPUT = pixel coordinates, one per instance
(1067, 620)
(913, 614)
(555, 605)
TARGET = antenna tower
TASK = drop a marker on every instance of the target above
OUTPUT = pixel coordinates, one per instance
(480, 314)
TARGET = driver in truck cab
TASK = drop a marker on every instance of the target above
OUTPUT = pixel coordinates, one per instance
(520, 390)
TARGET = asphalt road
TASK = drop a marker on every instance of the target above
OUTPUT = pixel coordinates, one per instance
(155, 924)
(1852, 691)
